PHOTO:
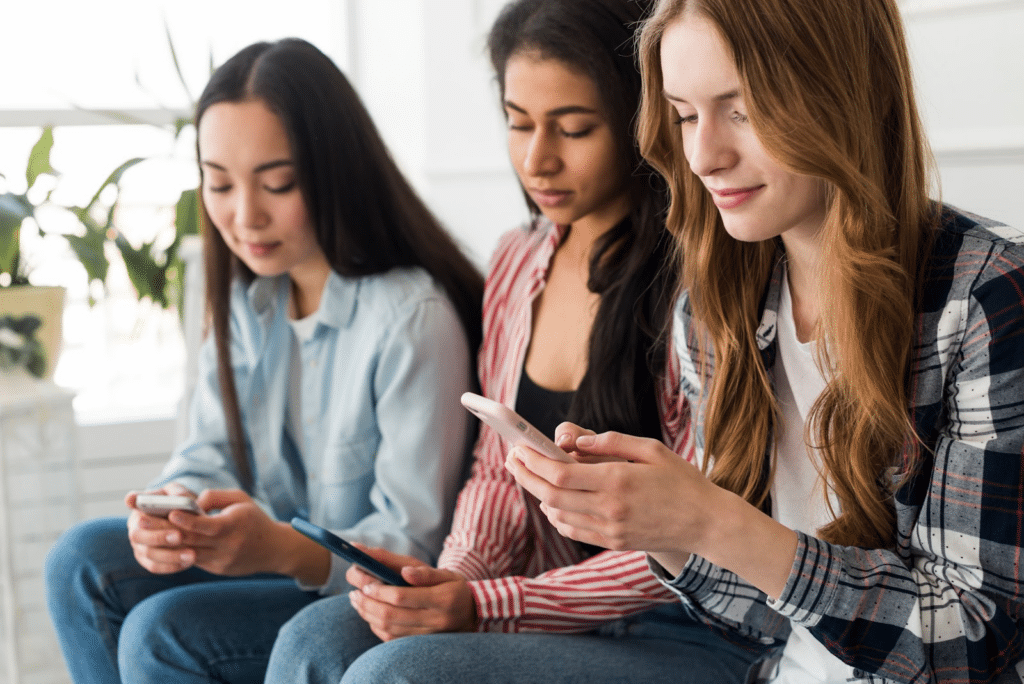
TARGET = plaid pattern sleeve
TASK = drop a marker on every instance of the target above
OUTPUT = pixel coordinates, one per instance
(946, 603)
(523, 574)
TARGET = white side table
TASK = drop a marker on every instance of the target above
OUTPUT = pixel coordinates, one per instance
(38, 501)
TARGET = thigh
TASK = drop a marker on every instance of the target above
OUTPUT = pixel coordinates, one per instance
(215, 631)
(685, 653)
(319, 643)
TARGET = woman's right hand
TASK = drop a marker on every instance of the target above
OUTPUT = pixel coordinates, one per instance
(158, 545)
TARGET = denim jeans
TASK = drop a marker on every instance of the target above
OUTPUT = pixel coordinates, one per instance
(118, 622)
(661, 645)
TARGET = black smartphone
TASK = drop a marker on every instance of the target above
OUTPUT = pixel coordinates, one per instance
(342, 548)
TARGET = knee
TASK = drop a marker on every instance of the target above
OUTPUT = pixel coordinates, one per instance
(394, 662)
(319, 643)
(81, 556)
(154, 631)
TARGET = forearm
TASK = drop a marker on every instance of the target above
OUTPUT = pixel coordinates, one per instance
(575, 598)
(744, 540)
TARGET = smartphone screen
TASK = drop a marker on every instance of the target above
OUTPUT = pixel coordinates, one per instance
(343, 549)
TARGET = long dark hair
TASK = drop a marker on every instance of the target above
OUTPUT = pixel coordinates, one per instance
(632, 268)
(366, 217)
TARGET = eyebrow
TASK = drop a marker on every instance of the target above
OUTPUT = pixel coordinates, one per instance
(558, 111)
(259, 169)
(718, 98)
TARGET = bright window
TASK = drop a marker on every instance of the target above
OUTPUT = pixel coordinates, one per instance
(124, 358)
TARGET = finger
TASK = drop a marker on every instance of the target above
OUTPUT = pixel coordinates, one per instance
(567, 433)
(576, 500)
(562, 475)
(427, 576)
(620, 446)
(393, 620)
(177, 489)
(581, 527)
(393, 560)
(165, 560)
(199, 525)
(358, 578)
(218, 499)
(165, 538)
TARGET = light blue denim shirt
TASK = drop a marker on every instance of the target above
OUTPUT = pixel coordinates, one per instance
(385, 433)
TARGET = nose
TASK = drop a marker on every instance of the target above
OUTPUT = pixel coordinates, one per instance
(542, 158)
(249, 211)
(710, 148)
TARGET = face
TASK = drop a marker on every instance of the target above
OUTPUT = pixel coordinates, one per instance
(757, 198)
(250, 190)
(561, 144)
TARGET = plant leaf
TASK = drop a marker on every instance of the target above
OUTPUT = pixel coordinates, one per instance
(113, 179)
(39, 157)
(13, 210)
(177, 65)
(186, 213)
(148, 276)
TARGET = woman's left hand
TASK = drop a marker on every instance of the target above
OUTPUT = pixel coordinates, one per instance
(652, 501)
(240, 539)
(438, 601)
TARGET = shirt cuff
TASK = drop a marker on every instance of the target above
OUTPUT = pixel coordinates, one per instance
(813, 582)
(694, 582)
(498, 603)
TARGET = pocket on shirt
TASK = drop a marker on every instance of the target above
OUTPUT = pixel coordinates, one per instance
(346, 480)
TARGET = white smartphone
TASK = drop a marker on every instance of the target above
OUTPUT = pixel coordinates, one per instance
(160, 505)
(513, 427)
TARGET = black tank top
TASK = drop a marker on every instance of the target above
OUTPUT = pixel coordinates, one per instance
(545, 409)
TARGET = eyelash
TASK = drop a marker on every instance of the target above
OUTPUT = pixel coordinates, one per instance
(277, 191)
(565, 134)
(692, 118)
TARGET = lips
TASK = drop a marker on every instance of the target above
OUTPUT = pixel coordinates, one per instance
(549, 198)
(731, 198)
(261, 249)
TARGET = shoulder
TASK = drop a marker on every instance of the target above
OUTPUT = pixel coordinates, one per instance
(522, 244)
(392, 293)
(972, 253)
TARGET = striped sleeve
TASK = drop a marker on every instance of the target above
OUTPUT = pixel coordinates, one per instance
(523, 574)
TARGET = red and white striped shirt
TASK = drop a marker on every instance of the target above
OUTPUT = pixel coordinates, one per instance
(523, 574)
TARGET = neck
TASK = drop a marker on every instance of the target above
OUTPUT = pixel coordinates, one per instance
(585, 232)
(802, 260)
(307, 288)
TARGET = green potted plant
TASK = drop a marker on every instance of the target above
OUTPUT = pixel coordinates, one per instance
(155, 273)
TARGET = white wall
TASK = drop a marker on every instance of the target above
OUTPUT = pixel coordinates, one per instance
(969, 69)
(421, 67)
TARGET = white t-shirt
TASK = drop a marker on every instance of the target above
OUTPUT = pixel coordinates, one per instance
(302, 331)
(797, 495)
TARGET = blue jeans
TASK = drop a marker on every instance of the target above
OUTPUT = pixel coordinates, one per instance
(662, 645)
(116, 621)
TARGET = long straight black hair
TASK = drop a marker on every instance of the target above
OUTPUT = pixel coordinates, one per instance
(366, 217)
(632, 268)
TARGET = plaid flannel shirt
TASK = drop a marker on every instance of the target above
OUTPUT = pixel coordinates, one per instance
(946, 603)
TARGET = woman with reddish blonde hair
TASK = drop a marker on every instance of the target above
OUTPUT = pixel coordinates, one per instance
(853, 352)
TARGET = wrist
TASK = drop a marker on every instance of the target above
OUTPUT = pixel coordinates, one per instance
(301, 558)
(744, 540)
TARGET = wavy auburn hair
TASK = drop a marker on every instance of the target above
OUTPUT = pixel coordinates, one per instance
(827, 85)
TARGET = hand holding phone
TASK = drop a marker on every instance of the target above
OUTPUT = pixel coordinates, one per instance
(342, 548)
(160, 505)
(513, 427)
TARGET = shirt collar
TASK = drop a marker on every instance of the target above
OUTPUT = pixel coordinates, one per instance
(337, 304)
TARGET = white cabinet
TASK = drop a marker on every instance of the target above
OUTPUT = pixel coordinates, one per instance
(38, 501)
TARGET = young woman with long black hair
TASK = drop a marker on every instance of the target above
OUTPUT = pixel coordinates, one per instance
(344, 321)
